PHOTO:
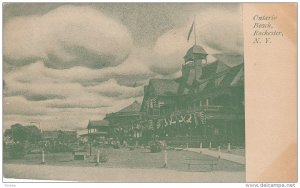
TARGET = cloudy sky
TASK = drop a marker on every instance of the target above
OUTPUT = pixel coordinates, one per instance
(65, 64)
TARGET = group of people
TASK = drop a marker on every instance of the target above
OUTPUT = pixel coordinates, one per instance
(174, 125)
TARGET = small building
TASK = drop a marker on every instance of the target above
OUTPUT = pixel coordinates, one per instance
(98, 129)
(125, 117)
(68, 136)
(50, 135)
(123, 121)
(60, 135)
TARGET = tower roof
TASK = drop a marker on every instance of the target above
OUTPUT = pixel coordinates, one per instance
(196, 49)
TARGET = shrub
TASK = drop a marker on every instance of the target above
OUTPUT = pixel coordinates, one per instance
(103, 158)
(155, 146)
(58, 147)
(17, 151)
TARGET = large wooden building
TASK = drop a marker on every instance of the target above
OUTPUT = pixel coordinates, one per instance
(205, 104)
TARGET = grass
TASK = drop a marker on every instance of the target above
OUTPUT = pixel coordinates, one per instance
(137, 158)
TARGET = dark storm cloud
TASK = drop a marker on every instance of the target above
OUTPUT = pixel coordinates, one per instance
(37, 97)
(66, 105)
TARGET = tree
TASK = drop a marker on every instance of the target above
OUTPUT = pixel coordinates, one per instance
(20, 134)
(34, 134)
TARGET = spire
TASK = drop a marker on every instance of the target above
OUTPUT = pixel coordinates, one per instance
(193, 28)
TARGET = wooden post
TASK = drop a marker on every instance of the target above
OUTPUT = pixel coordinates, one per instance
(166, 159)
(200, 147)
(209, 145)
(229, 147)
(43, 157)
(98, 156)
(90, 148)
(90, 140)
(219, 152)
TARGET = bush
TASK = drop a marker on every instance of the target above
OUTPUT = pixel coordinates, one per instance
(155, 146)
(58, 147)
(103, 158)
(17, 151)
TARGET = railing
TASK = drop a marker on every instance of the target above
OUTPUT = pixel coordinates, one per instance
(209, 108)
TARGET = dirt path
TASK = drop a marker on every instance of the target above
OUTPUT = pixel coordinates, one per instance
(102, 174)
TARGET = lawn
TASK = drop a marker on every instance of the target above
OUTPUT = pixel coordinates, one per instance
(137, 158)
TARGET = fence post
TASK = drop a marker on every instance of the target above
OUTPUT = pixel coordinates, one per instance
(98, 158)
(166, 159)
(210, 145)
(219, 152)
(229, 147)
(43, 157)
(200, 147)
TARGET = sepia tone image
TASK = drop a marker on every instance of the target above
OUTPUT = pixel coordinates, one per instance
(123, 92)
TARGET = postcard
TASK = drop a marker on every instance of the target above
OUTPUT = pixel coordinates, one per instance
(150, 92)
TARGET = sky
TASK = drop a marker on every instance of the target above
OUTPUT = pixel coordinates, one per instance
(66, 64)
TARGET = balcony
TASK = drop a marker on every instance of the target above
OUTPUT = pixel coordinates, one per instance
(209, 109)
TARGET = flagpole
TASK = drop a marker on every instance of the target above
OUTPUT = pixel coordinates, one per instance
(195, 30)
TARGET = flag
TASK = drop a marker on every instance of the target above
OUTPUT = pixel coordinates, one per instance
(166, 122)
(158, 124)
(190, 32)
(203, 117)
(182, 119)
(189, 118)
(172, 121)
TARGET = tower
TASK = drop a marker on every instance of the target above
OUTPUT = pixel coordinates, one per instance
(192, 67)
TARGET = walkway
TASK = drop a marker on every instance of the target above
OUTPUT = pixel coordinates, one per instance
(102, 174)
(227, 156)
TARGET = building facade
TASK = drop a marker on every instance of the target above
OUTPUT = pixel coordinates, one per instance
(123, 122)
(205, 104)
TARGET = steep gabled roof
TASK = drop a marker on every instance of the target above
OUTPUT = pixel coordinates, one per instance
(134, 107)
(164, 87)
(131, 110)
(230, 59)
(211, 69)
(98, 123)
(229, 77)
(233, 77)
